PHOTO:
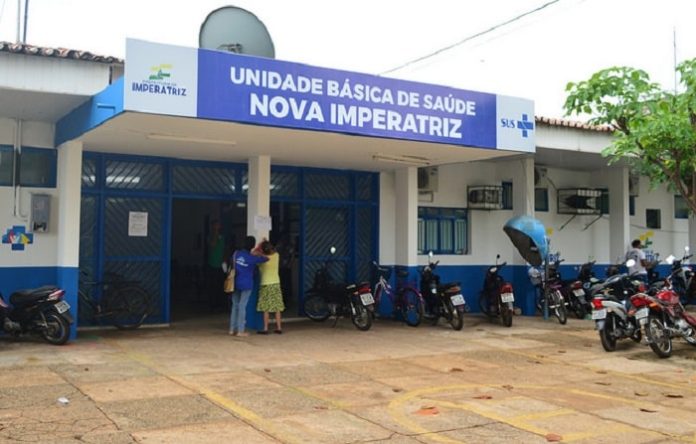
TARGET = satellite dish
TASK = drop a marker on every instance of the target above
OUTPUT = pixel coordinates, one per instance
(236, 30)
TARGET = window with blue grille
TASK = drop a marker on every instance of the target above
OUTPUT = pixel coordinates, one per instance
(681, 208)
(507, 195)
(541, 199)
(443, 230)
(6, 165)
(37, 167)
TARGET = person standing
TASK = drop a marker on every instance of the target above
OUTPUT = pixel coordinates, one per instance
(214, 274)
(638, 269)
(245, 263)
(270, 294)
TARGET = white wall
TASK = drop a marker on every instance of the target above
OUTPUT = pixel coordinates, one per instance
(581, 239)
(43, 252)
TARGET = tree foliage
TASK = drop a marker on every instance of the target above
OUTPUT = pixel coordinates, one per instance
(655, 129)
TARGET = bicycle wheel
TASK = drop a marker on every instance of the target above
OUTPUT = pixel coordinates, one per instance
(127, 307)
(412, 307)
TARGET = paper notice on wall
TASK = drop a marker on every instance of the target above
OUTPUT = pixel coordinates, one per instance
(262, 223)
(137, 223)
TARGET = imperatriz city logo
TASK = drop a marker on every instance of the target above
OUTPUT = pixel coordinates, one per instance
(160, 81)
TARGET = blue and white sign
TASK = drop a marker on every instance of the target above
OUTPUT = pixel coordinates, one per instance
(231, 87)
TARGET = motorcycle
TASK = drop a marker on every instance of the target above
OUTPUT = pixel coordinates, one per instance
(612, 312)
(666, 318)
(39, 310)
(550, 290)
(650, 317)
(572, 291)
(442, 300)
(682, 278)
(497, 296)
(328, 298)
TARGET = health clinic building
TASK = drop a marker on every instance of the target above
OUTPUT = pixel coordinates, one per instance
(113, 169)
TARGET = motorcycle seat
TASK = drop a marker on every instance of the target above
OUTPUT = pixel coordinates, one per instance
(449, 285)
(28, 296)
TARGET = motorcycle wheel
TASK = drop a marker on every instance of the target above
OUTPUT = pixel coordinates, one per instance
(454, 316)
(57, 330)
(606, 335)
(560, 309)
(362, 319)
(484, 304)
(316, 308)
(412, 308)
(579, 310)
(506, 314)
(658, 337)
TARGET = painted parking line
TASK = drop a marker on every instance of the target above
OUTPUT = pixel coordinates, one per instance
(397, 407)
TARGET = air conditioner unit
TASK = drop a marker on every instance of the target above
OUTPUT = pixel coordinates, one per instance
(485, 197)
(428, 179)
(579, 201)
(633, 184)
(540, 173)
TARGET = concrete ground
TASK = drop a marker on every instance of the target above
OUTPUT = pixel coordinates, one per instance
(192, 383)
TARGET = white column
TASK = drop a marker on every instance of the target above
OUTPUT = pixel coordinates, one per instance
(69, 180)
(258, 194)
(406, 184)
(619, 218)
(69, 183)
(522, 194)
(387, 219)
(691, 242)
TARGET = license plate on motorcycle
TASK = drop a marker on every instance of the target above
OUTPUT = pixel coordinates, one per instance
(642, 313)
(457, 300)
(62, 307)
(578, 292)
(367, 298)
(599, 314)
(507, 297)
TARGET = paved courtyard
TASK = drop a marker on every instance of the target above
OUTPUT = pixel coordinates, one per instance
(192, 383)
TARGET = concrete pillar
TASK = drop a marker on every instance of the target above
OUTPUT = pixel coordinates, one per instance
(406, 215)
(691, 242)
(258, 196)
(522, 205)
(69, 182)
(522, 193)
(387, 219)
(619, 217)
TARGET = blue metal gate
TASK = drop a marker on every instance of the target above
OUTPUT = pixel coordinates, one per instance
(337, 208)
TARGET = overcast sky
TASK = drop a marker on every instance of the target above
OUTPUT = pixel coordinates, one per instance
(534, 57)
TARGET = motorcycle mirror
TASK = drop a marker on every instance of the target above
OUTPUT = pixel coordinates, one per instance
(430, 254)
(630, 263)
(670, 259)
(497, 256)
(332, 250)
(686, 249)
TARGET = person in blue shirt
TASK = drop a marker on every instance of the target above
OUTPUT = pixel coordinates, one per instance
(244, 264)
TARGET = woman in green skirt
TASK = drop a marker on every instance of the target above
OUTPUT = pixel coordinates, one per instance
(270, 294)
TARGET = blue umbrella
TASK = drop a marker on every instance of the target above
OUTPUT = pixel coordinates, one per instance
(529, 237)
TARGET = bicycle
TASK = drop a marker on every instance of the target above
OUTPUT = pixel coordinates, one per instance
(407, 301)
(124, 303)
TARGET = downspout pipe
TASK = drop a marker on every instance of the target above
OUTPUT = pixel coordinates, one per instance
(16, 156)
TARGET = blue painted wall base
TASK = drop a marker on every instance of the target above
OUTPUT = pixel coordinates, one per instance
(19, 278)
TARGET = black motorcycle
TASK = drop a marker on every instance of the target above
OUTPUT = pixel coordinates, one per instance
(497, 296)
(329, 298)
(442, 300)
(40, 310)
(682, 278)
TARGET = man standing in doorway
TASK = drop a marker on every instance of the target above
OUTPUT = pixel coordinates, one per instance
(638, 269)
(216, 254)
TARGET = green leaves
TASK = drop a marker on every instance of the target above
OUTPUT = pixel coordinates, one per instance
(655, 130)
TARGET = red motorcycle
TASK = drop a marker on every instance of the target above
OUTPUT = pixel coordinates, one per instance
(663, 317)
